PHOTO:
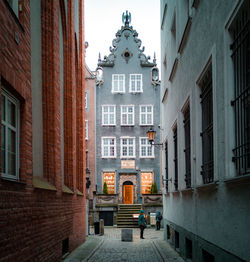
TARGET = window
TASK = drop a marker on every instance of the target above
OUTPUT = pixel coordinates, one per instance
(108, 147)
(109, 178)
(135, 84)
(14, 5)
(241, 60)
(108, 115)
(127, 147)
(175, 158)
(146, 115)
(146, 150)
(146, 182)
(86, 100)
(187, 146)
(166, 165)
(207, 127)
(118, 83)
(10, 136)
(127, 115)
(86, 129)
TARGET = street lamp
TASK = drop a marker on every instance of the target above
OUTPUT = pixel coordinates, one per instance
(151, 137)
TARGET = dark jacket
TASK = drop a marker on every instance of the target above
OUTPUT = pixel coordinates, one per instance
(158, 216)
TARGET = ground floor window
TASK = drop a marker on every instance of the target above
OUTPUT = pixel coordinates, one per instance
(9, 135)
(109, 178)
(146, 182)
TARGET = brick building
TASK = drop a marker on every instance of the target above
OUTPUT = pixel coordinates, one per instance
(42, 179)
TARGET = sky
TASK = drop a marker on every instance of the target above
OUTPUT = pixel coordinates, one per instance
(103, 18)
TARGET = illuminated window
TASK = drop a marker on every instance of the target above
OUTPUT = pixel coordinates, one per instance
(146, 115)
(118, 83)
(109, 178)
(108, 115)
(127, 115)
(146, 182)
(135, 84)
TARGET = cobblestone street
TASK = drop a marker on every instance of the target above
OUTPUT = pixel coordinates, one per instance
(109, 247)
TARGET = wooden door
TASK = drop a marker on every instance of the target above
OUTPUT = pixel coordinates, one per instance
(128, 194)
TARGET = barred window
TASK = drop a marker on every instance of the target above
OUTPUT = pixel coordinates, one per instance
(166, 165)
(175, 158)
(240, 47)
(207, 126)
(187, 146)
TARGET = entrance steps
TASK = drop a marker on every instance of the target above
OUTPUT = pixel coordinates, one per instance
(125, 215)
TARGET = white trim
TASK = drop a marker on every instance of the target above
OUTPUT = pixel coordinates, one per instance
(147, 145)
(130, 84)
(108, 113)
(86, 130)
(16, 129)
(146, 113)
(127, 114)
(127, 146)
(109, 146)
(120, 89)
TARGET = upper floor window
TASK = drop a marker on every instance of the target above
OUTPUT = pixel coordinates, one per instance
(127, 147)
(146, 149)
(175, 158)
(135, 84)
(10, 111)
(86, 129)
(118, 83)
(146, 115)
(127, 115)
(14, 5)
(108, 147)
(108, 115)
(86, 100)
(240, 31)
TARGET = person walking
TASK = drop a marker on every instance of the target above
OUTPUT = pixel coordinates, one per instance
(158, 218)
(141, 223)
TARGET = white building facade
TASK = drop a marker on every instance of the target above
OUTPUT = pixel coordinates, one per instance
(205, 122)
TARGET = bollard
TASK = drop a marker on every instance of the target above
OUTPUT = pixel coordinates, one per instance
(101, 227)
(127, 234)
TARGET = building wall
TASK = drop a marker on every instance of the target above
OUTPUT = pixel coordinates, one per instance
(212, 216)
(150, 95)
(42, 205)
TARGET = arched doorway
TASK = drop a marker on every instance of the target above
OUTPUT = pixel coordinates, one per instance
(128, 195)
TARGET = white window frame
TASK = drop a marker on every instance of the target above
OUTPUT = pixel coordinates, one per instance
(121, 89)
(146, 113)
(86, 100)
(16, 129)
(140, 90)
(127, 114)
(109, 147)
(86, 129)
(147, 146)
(127, 146)
(108, 113)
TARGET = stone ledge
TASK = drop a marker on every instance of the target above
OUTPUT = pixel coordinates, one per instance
(67, 190)
(207, 187)
(41, 183)
(238, 180)
(189, 190)
(79, 193)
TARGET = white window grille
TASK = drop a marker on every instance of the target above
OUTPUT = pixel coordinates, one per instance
(108, 147)
(86, 129)
(118, 83)
(146, 115)
(86, 100)
(146, 149)
(10, 113)
(108, 115)
(127, 115)
(127, 147)
(135, 83)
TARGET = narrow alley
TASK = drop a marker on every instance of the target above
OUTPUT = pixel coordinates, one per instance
(109, 247)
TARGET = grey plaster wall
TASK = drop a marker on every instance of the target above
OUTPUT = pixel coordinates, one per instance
(36, 84)
(220, 215)
(150, 95)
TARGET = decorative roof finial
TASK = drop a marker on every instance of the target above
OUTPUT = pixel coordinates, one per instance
(99, 57)
(126, 19)
(154, 60)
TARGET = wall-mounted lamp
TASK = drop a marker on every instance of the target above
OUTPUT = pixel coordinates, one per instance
(151, 137)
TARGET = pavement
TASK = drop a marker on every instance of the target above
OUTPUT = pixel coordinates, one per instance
(110, 248)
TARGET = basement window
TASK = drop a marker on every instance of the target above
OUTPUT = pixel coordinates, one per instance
(207, 257)
(189, 249)
(65, 246)
(176, 241)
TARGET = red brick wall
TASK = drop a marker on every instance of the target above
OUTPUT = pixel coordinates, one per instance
(33, 221)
